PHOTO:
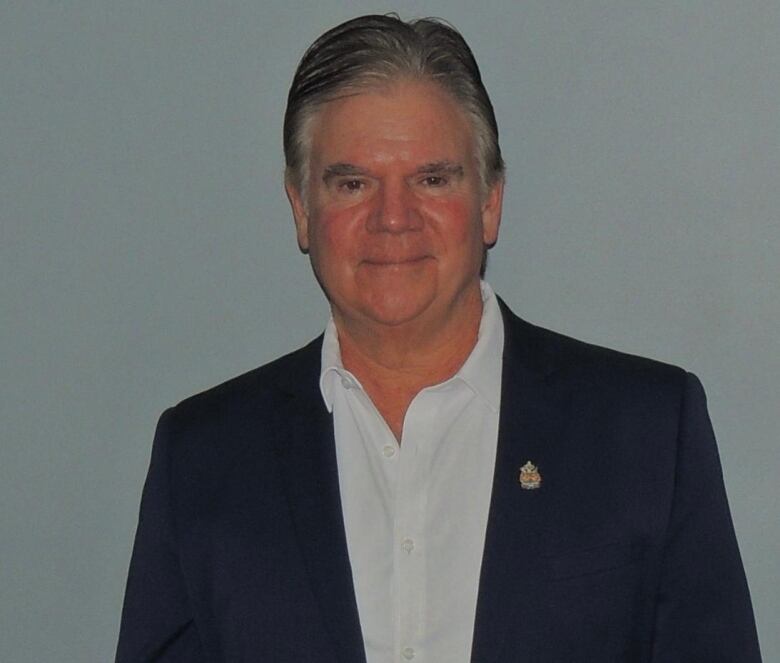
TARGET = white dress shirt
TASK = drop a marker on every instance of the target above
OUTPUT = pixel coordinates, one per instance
(415, 514)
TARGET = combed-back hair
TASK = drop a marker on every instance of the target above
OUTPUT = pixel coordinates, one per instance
(375, 50)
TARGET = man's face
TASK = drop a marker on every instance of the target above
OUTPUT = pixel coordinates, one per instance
(395, 221)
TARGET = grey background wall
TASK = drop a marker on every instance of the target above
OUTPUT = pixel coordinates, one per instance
(146, 250)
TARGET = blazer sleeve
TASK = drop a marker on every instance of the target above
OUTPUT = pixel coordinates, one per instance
(703, 610)
(157, 621)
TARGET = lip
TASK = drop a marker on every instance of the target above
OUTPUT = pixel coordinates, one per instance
(393, 262)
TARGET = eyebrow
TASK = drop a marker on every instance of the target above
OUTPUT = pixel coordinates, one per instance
(441, 167)
(341, 170)
(350, 170)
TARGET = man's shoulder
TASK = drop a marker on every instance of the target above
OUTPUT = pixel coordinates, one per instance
(257, 391)
(552, 353)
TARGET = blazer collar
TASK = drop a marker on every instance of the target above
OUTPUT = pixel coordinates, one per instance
(307, 458)
(531, 421)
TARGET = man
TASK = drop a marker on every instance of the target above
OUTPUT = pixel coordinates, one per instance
(433, 479)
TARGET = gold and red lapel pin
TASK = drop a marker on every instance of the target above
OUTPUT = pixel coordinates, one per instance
(530, 478)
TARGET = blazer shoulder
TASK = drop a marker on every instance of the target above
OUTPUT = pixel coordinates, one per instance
(258, 391)
(550, 352)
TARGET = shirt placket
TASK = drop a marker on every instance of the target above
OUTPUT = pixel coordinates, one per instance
(410, 541)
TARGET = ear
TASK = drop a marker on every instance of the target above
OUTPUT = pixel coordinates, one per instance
(491, 213)
(300, 215)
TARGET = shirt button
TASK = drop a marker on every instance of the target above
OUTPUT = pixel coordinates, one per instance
(388, 451)
(408, 546)
(408, 653)
(346, 383)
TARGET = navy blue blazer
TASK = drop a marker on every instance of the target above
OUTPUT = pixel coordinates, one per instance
(625, 553)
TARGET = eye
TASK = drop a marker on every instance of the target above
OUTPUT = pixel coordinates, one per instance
(434, 181)
(351, 186)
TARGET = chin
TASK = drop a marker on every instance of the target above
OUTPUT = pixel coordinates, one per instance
(393, 295)
(393, 311)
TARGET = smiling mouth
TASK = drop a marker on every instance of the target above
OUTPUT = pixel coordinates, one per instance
(395, 262)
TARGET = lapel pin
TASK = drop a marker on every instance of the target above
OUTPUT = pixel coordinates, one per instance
(529, 478)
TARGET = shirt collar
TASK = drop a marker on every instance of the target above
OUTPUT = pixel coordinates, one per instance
(481, 371)
(332, 368)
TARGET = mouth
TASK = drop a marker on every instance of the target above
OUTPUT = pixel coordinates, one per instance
(395, 262)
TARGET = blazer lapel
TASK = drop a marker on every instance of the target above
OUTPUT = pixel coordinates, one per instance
(511, 581)
(510, 606)
(308, 461)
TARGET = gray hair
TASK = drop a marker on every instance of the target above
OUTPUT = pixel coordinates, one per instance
(376, 50)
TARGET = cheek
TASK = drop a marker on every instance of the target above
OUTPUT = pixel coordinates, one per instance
(456, 223)
(332, 239)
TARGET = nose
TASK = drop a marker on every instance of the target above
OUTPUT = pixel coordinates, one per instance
(395, 210)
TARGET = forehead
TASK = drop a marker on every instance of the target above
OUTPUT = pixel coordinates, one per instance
(402, 121)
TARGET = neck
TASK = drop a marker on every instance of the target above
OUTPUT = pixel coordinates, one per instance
(394, 363)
